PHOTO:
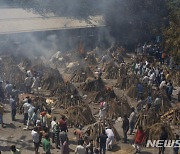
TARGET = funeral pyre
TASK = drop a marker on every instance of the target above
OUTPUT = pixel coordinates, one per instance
(79, 116)
(81, 74)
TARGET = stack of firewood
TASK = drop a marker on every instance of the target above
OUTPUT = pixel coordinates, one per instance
(81, 74)
(79, 116)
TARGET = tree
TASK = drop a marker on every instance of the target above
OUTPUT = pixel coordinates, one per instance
(172, 32)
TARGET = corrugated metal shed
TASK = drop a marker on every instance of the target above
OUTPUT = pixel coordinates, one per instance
(17, 20)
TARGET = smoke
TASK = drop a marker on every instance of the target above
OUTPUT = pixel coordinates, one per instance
(128, 21)
(29, 45)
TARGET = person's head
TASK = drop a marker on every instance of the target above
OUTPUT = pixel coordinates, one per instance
(63, 117)
(54, 118)
(140, 128)
(7, 82)
(13, 148)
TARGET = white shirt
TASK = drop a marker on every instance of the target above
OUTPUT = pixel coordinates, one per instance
(35, 136)
(109, 133)
(31, 111)
(53, 123)
(80, 150)
(26, 107)
(132, 117)
(163, 84)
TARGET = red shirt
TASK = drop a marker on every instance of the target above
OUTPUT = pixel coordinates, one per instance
(139, 137)
(63, 125)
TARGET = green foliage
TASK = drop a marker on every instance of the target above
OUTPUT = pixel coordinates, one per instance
(172, 32)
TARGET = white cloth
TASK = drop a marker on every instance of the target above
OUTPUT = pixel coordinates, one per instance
(80, 150)
(53, 123)
(109, 142)
(109, 133)
(26, 107)
(29, 73)
(162, 85)
(35, 136)
(103, 110)
(132, 117)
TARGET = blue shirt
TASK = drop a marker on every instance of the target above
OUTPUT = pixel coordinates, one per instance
(140, 88)
(12, 104)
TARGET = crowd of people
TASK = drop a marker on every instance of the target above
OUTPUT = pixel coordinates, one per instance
(47, 130)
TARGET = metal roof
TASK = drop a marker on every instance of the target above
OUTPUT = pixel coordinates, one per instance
(17, 20)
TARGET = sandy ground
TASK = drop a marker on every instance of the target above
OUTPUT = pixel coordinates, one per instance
(14, 133)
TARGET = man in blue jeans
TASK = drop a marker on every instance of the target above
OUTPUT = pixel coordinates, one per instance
(13, 108)
(1, 115)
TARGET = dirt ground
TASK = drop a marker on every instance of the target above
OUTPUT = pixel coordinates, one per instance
(14, 133)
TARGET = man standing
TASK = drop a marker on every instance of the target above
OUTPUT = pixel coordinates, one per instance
(132, 120)
(80, 149)
(63, 124)
(36, 139)
(2, 96)
(28, 83)
(26, 107)
(140, 90)
(46, 145)
(163, 137)
(30, 113)
(1, 115)
(13, 108)
(53, 125)
(125, 127)
(102, 142)
(8, 89)
(110, 139)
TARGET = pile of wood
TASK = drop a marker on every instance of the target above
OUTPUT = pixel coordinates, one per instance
(94, 85)
(81, 74)
(71, 67)
(153, 132)
(91, 59)
(51, 78)
(126, 81)
(63, 88)
(133, 91)
(37, 101)
(172, 116)
(68, 100)
(79, 116)
(25, 64)
(112, 71)
(147, 118)
(118, 108)
(97, 128)
(9, 71)
(105, 94)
